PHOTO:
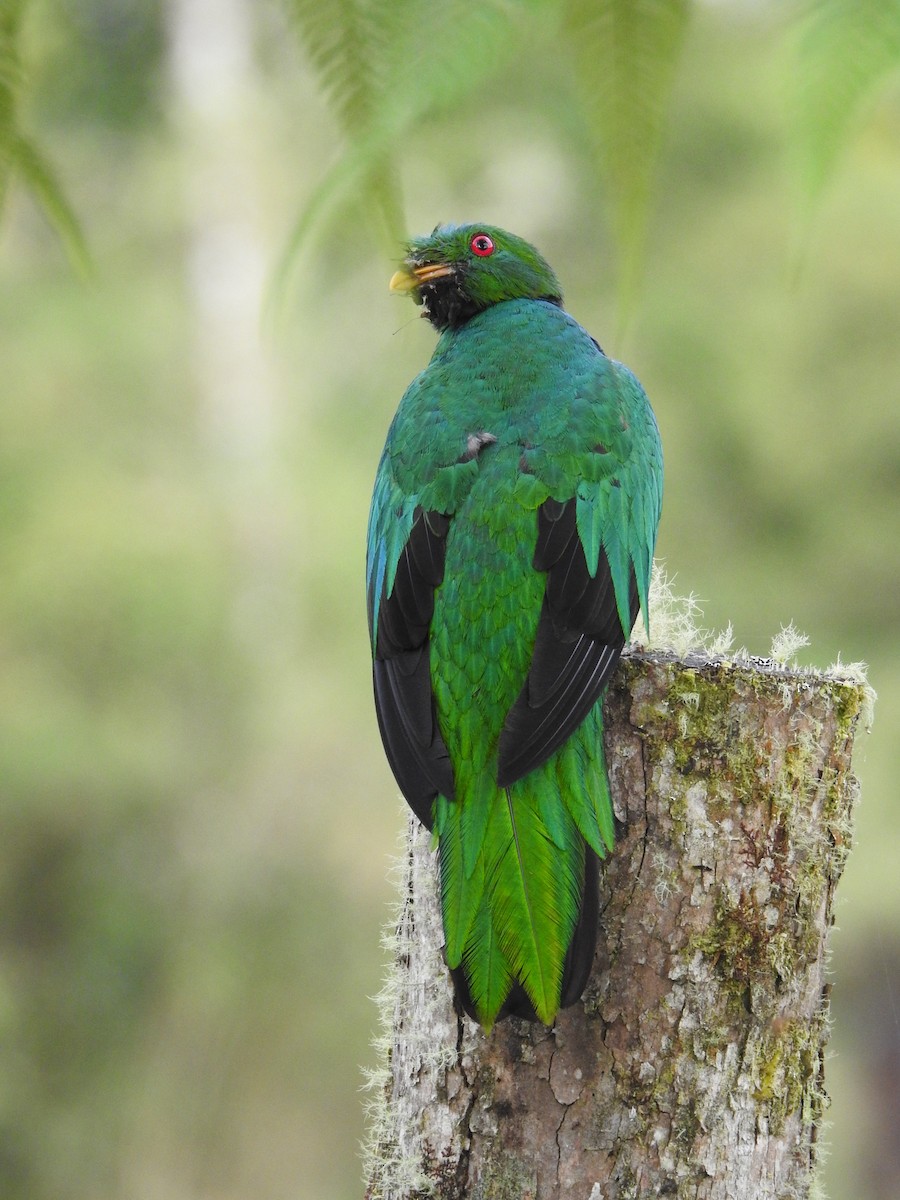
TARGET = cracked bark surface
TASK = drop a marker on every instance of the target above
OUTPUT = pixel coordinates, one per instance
(693, 1065)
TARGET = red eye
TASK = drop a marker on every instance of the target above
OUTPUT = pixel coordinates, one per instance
(481, 245)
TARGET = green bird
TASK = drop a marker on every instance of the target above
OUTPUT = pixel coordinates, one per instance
(510, 543)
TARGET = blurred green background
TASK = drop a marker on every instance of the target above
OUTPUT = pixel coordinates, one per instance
(196, 819)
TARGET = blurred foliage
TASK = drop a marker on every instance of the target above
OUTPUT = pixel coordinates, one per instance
(20, 157)
(195, 811)
(625, 55)
(385, 65)
(847, 50)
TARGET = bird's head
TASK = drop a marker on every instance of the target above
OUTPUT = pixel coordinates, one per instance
(460, 270)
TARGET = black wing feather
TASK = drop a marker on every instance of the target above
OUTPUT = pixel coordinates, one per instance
(556, 524)
(402, 670)
(578, 642)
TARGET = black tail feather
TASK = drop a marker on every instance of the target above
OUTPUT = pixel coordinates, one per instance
(580, 957)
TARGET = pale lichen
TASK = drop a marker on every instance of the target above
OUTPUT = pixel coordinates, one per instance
(787, 643)
(390, 1170)
(675, 621)
(676, 624)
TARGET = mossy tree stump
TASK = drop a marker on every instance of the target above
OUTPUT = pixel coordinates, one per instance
(693, 1066)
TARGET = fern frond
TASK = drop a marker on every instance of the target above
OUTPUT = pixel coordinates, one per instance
(347, 42)
(441, 52)
(625, 54)
(348, 184)
(383, 65)
(11, 82)
(845, 51)
(19, 156)
(339, 40)
(40, 179)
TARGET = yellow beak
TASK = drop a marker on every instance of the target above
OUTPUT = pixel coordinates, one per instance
(408, 278)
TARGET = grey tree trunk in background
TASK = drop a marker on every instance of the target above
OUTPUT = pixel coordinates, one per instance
(694, 1064)
(217, 102)
(215, 105)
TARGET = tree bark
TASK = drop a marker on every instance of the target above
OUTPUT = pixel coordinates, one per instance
(693, 1065)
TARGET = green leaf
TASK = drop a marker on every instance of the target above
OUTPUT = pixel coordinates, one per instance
(625, 53)
(383, 65)
(348, 43)
(845, 51)
(40, 179)
(19, 156)
(11, 84)
(341, 40)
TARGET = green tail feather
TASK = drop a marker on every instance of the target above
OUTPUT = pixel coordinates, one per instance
(584, 784)
(570, 772)
(488, 973)
(461, 890)
(514, 915)
(596, 787)
(534, 890)
(512, 872)
(475, 815)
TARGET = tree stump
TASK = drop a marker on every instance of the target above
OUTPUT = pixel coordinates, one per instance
(693, 1065)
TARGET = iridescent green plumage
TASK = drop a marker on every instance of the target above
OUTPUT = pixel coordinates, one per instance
(510, 543)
